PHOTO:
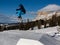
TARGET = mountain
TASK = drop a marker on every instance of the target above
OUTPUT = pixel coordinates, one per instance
(47, 12)
(51, 7)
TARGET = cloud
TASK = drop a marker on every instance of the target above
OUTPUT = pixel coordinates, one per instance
(4, 19)
(14, 18)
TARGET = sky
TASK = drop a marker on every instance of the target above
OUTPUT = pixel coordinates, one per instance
(8, 7)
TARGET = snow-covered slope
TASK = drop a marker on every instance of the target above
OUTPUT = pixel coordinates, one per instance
(50, 31)
(44, 17)
(51, 7)
(12, 38)
(50, 10)
(28, 42)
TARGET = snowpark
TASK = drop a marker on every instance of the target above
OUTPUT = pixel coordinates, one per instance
(30, 37)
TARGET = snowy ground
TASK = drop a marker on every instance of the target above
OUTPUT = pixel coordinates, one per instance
(49, 31)
(42, 35)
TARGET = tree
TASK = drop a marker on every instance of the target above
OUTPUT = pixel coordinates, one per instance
(58, 20)
(53, 21)
(21, 10)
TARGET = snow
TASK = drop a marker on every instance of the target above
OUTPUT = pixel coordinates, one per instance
(14, 37)
(57, 37)
(51, 7)
(7, 38)
(11, 38)
(40, 17)
(49, 16)
(45, 17)
(28, 42)
(50, 31)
